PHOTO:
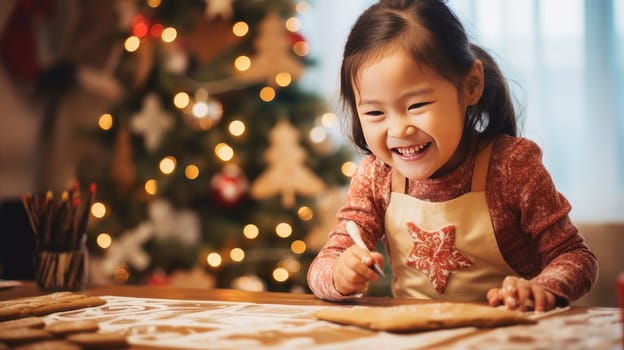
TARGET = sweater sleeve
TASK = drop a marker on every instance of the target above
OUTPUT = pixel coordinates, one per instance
(567, 267)
(363, 207)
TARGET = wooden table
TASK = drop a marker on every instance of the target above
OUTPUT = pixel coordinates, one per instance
(232, 319)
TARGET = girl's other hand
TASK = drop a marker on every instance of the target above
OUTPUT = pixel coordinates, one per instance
(353, 271)
(520, 294)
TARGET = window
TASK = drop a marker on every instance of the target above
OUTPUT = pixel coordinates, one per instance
(565, 63)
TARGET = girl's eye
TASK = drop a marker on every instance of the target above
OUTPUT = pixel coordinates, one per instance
(374, 113)
(418, 105)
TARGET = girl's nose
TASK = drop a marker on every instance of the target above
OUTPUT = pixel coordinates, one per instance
(401, 129)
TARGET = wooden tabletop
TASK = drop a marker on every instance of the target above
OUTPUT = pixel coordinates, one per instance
(267, 320)
(28, 289)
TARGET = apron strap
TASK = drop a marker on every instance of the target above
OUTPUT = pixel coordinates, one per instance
(399, 182)
(479, 173)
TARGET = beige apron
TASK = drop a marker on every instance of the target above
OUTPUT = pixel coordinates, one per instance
(444, 250)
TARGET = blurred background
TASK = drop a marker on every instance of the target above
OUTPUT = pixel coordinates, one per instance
(212, 127)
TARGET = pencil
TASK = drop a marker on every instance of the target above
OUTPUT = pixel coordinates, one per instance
(29, 211)
(354, 233)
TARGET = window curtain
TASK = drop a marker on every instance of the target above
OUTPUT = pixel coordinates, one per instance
(565, 65)
(564, 60)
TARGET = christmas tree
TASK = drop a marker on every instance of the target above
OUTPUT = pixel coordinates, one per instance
(211, 166)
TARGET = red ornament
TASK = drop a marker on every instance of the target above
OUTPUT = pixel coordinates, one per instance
(230, 186)
(158, 278)
(140, 26)
(156, 30)
(18, 41)
(295, 37)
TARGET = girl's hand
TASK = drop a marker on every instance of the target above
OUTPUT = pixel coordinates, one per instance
(353, 271)
(520, 294)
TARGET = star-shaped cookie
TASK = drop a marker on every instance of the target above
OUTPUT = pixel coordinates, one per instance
(435, 254)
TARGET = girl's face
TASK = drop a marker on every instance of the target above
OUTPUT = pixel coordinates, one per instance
(412, 118)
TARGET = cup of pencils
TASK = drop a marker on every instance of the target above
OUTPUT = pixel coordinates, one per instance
(59, 221)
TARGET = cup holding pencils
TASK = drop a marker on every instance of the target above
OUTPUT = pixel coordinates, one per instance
(59, 221)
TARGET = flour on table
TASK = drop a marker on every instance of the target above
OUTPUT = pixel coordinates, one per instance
(188, 324)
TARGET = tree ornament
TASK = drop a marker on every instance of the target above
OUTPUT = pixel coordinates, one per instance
(163, 223)
(100, 81)
(176, 58)
(18, 38)
(295, 37)
(123, 171)
(219, 9)
(152, 122)
(144, 62)
(158, 278)
(197, 277)
(328, 205)
(128, 248)
(274, 53)
(230, 186)
(287, 174)
(168, 223)
(140, 26)
(250, 283)
(217, 32)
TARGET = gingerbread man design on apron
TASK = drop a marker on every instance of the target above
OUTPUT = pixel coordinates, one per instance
(444, 250)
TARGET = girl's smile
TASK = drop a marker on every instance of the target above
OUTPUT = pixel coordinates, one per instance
(411, 152)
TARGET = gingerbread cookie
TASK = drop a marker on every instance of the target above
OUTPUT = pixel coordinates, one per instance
(425, 316)
(46, 304)
(26, 322)
(23, 335)
(68, 327)
(99, 340)
(49, 345)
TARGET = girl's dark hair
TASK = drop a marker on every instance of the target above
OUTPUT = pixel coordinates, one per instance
(433, 35)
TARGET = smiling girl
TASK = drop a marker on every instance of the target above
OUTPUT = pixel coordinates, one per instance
(463, 205)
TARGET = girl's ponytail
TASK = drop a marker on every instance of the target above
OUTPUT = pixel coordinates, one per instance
(494, 113)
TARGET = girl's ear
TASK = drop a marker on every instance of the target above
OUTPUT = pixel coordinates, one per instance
(474, 83)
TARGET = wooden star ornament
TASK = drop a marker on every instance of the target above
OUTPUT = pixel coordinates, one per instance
(152, 121)
(435, 254)
(219, 9)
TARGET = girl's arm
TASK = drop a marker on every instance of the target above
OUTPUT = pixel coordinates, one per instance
(563, 264)
(364, 206)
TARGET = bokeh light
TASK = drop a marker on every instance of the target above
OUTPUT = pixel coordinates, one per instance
(283, 230)
(104, 240)
(151, 187)
(251, 231)
(214, 259)
(169, 34)
(240, 29)
(191, 171)
(98, 210)
(236, 128)
(348, 168)
(105, 122)
(280, 274)
(267, 94)
(298, 247)
(167, 165)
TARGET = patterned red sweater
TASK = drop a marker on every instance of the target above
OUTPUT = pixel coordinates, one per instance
(530, 219)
